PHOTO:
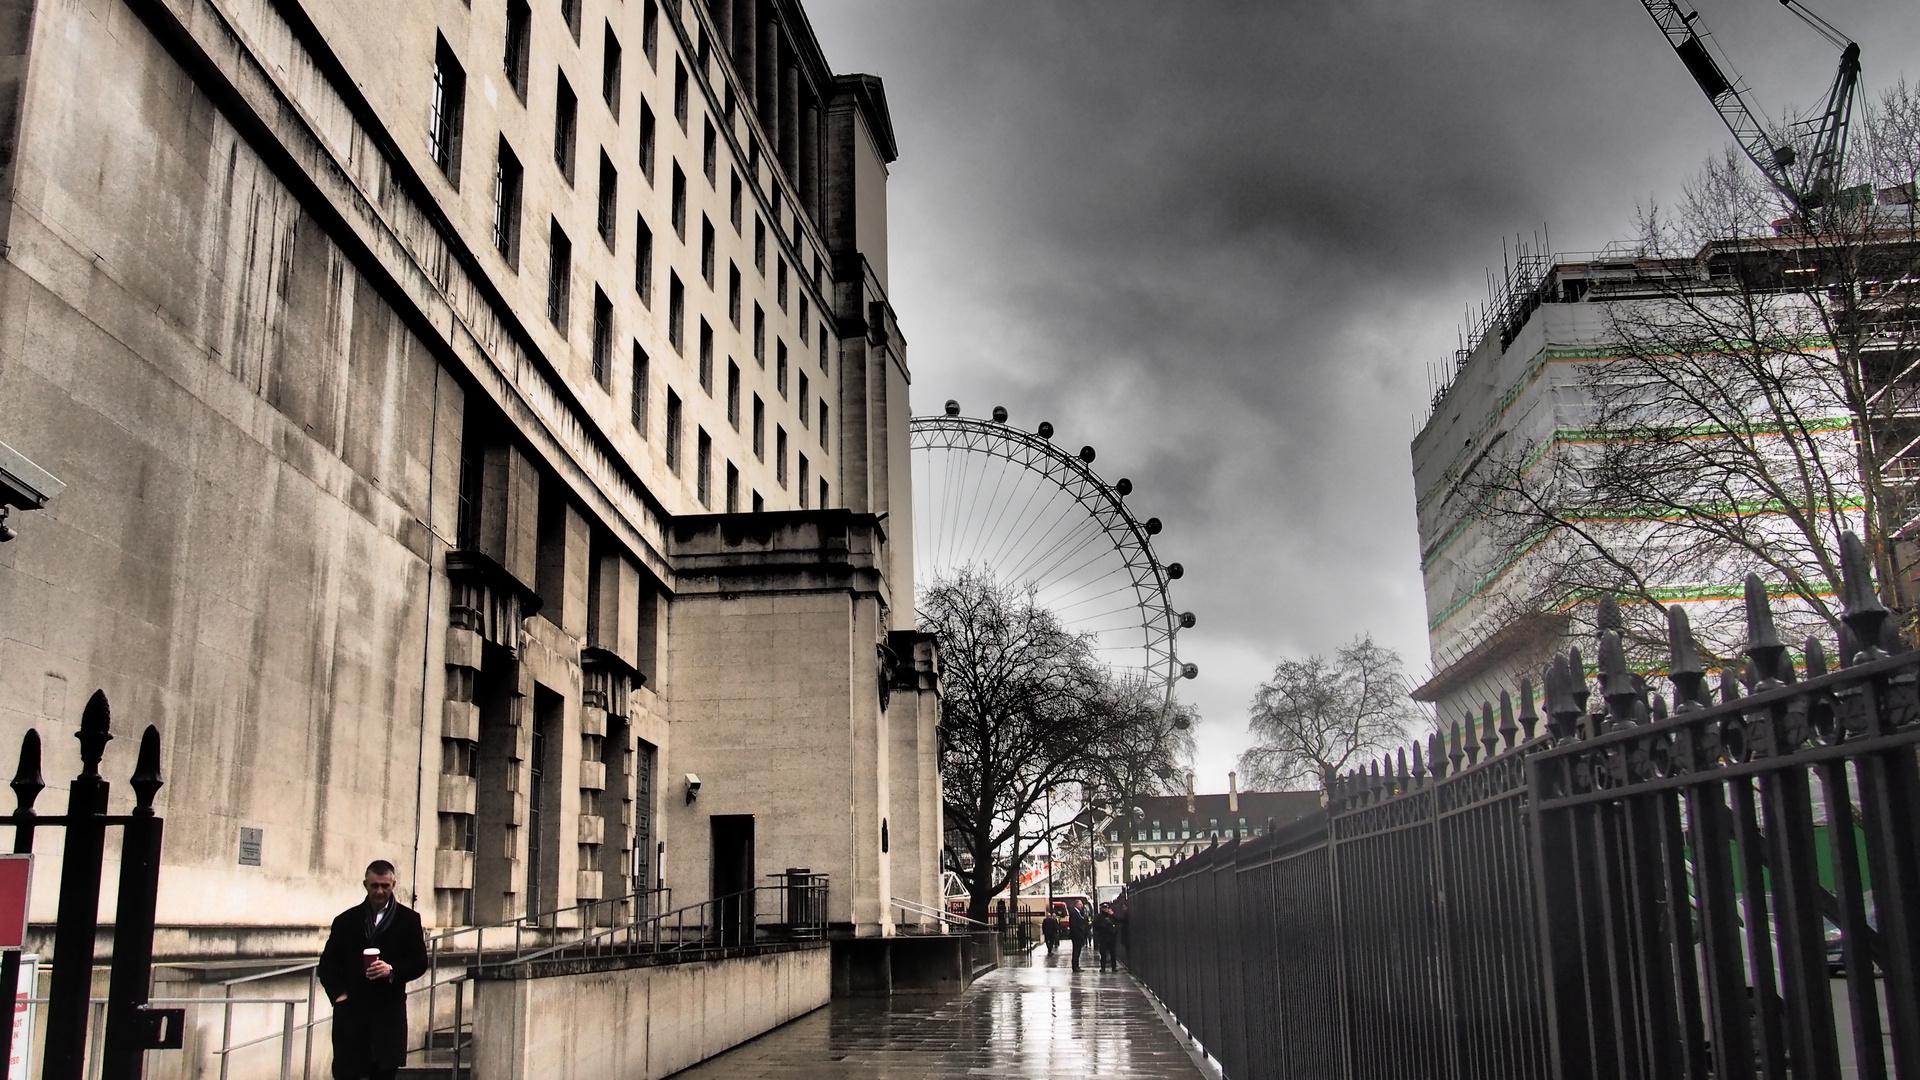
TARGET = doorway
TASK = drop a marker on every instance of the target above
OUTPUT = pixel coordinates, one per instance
(733, 877)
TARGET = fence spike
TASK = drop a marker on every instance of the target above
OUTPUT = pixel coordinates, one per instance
(1436, 753)
(1864, 613)
(27, 781)
(1454, 753)
(96, 731)
(1528, 718)
(1471, 744)
(1849, 646)
(1419, 765)
(1816, 658)
(1563, 709)
(146, 780)
(1507, 727)
(1608, 616)
(1685, 671)
(1659, 708)
(1577, 679)
(1616, 682)
(1729, 685)
(1400, 770)
(1489, 735)
(1764, 648)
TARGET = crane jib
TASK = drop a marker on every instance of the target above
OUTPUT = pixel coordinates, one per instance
(1693, 53)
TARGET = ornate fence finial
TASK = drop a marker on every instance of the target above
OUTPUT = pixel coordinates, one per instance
(1863, 612)
(1528, 718)
(1616, 682)
(1563, 708)
(1454, 753)
(1816, 658)
(1764, 648)
(1507, 727)
(96, 723)
(1471, 744)
(1419, 763)
(1659, 708)
(1489, 736)
(146, 780)
(1729, 685)
(1577, 679)
(1688, 676)
(1400, 768)
(1608, 616)
(27, 781)
(1436, 754)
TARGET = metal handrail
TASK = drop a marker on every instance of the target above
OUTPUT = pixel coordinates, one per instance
(650, 933)
(914, 907)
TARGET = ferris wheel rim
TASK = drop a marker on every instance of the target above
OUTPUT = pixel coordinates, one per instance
(1073, 474)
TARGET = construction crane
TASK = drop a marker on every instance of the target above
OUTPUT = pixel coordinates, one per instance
(1807, 185)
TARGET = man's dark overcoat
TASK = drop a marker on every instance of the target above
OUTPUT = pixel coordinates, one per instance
(370, 1027)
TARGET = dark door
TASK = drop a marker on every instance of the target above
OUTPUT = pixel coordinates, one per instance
(733, 877)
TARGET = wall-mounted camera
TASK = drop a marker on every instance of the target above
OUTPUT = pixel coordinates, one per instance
(23, 486)
(693, 787)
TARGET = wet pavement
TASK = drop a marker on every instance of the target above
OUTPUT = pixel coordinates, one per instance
(1034, 1017)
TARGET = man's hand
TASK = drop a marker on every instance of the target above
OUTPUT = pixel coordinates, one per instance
(379, 969)
(340, 999)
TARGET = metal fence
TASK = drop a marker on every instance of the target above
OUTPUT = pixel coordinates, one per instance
(1723, 883)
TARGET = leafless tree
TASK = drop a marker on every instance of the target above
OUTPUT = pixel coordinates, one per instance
(1755, 396)
(1319, 716)
(1027, 708)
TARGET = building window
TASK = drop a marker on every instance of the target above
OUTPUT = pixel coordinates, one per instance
(733, 395)
(780, 284)
(706, 357)
(570, 11)
(602, 339)
(780, 367)
(710, 153)
(559, 275)
(680, 93)
(448, 112)
(823, 493)
(507, 175)
(676, 313)
(759, 503)
(823, 349)
(1186, 830)
(759, 336)
(643, 260)
(706, 249)
(823, 423)
(733, 489)
(780, 455)
(610, 72)
(637, 392)
(733, 200)
(650, 30)
(730, 107)
(1156, 830)
(759, 245)
(759, 428)
(566, 122)
(806, 399)
(519, 37)
(679, 204)
(673, 433)
(703, 468)
(646, 140)
(733, 293)
(609, 198)
(804, 480)
(804, 320)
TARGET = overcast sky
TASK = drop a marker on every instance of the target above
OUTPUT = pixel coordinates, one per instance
(1222, 242)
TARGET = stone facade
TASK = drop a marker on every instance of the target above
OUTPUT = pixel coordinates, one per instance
(471, 426)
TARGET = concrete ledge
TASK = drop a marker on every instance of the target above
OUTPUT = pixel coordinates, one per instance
(636, 1022)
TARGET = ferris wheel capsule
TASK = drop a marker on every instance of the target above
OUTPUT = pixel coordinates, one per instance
(1189, 671)
(953, 407)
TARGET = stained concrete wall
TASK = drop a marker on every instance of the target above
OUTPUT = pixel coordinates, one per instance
(646, 1022)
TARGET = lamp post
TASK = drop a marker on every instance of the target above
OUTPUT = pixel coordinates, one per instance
(1049, 849)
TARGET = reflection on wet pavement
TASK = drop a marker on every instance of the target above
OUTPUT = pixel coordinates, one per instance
(1031, 1018)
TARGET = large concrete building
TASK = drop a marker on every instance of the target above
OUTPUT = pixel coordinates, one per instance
(484, 429)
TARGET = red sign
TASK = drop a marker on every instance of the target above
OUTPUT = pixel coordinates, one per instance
(16, 877)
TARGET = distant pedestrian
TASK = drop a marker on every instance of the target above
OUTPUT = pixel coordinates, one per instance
(1106, 938)
(1078, 929)
(374, 949)
(1050, 930)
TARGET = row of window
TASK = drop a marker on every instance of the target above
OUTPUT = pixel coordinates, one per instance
(1142, 833)
(444, 138)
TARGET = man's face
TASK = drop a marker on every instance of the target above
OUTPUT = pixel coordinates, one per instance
(379, 889)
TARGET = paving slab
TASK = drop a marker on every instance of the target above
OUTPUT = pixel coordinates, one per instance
(1034, 1017)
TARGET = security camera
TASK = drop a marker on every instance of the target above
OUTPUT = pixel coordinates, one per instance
(24, 484)
(693, 787)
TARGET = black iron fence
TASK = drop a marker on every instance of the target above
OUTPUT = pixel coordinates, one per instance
(1721, 884)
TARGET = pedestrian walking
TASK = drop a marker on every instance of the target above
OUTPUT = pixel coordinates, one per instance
(1077, 929)
(373, 950)
(1106, 938)
(1050, 929)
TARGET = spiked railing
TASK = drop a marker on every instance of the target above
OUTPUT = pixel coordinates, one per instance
(1719, 885)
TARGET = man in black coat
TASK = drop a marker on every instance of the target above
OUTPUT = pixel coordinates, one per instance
(1077, 929)
(1106, 938)
(369, 993)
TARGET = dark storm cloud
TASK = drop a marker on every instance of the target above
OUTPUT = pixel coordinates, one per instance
(1221, 243)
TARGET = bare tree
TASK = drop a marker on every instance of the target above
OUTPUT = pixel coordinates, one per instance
(1755, 396)
(1319, 716)
(1026, 708)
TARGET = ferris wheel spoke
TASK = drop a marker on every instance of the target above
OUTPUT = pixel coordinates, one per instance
(1058, 553)
(982, 526)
